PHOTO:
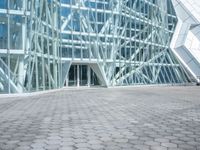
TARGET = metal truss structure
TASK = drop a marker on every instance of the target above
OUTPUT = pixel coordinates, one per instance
(121, 42)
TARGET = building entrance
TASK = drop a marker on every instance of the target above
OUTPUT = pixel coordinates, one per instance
(82, 75)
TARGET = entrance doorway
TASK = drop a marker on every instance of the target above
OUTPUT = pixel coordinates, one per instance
(82, 75)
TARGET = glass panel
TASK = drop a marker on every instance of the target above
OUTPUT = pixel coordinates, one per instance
(4, 4)
(94, 80)
(4, 85)
(83, 75)
(72, 76)
(16, 4)
(15, 32)
(3, 31)
(77, 53)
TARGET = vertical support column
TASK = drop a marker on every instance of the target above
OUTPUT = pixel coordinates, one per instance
(21, 58)
(67, 81)
(55, 67)
(8, 46)
(88, 76)
(20, 74)
(78, 76)
(43, 61)
(154, 72)
(36, 71)
(55, 42)
(30, 45)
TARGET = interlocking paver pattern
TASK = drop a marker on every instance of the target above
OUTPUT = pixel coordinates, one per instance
(131, 118)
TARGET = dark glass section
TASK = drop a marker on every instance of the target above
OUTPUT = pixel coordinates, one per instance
(4, 4)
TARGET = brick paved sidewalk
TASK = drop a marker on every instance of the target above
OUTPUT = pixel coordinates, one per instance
(145, 118)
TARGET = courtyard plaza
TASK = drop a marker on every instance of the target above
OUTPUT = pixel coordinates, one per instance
(124, 118)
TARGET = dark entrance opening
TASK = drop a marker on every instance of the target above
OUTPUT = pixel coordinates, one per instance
(82, 75)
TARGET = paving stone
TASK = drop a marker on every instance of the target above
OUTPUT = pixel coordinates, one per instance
(66, 148)
(36, 145)
(194, 143)
(171, 137)
(80, 140)
(54, 138)
(38, 148)
(83, 149)
(96, 146)
(94, 142)
(82, 145)
(22, 148)
(127, 146)
(113, 147)
(186, 146)
(158, 148)
(51, 147)
(152, 143)
(24, 143)
(8, 147)
(133, 137)
(169, 145)
(136, 142)
(105, 139)
(162, 140)
(141, 147)
(121, 140)
(67, 143)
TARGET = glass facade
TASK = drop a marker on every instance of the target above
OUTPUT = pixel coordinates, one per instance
(47, 44)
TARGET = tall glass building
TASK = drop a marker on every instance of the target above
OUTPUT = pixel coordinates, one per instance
(48, 44)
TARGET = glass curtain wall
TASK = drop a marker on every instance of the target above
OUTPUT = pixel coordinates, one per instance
(126, 42)
(129, 40)
(11, 44)
(29, 45)
(44, 63)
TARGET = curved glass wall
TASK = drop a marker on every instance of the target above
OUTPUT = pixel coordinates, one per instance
(129, 40)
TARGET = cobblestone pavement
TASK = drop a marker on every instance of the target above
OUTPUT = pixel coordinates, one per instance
(145, 118)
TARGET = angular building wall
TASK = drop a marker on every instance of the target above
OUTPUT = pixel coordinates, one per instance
(186, 39)
(45, 44)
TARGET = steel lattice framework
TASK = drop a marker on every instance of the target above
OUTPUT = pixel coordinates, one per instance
(124, 42)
